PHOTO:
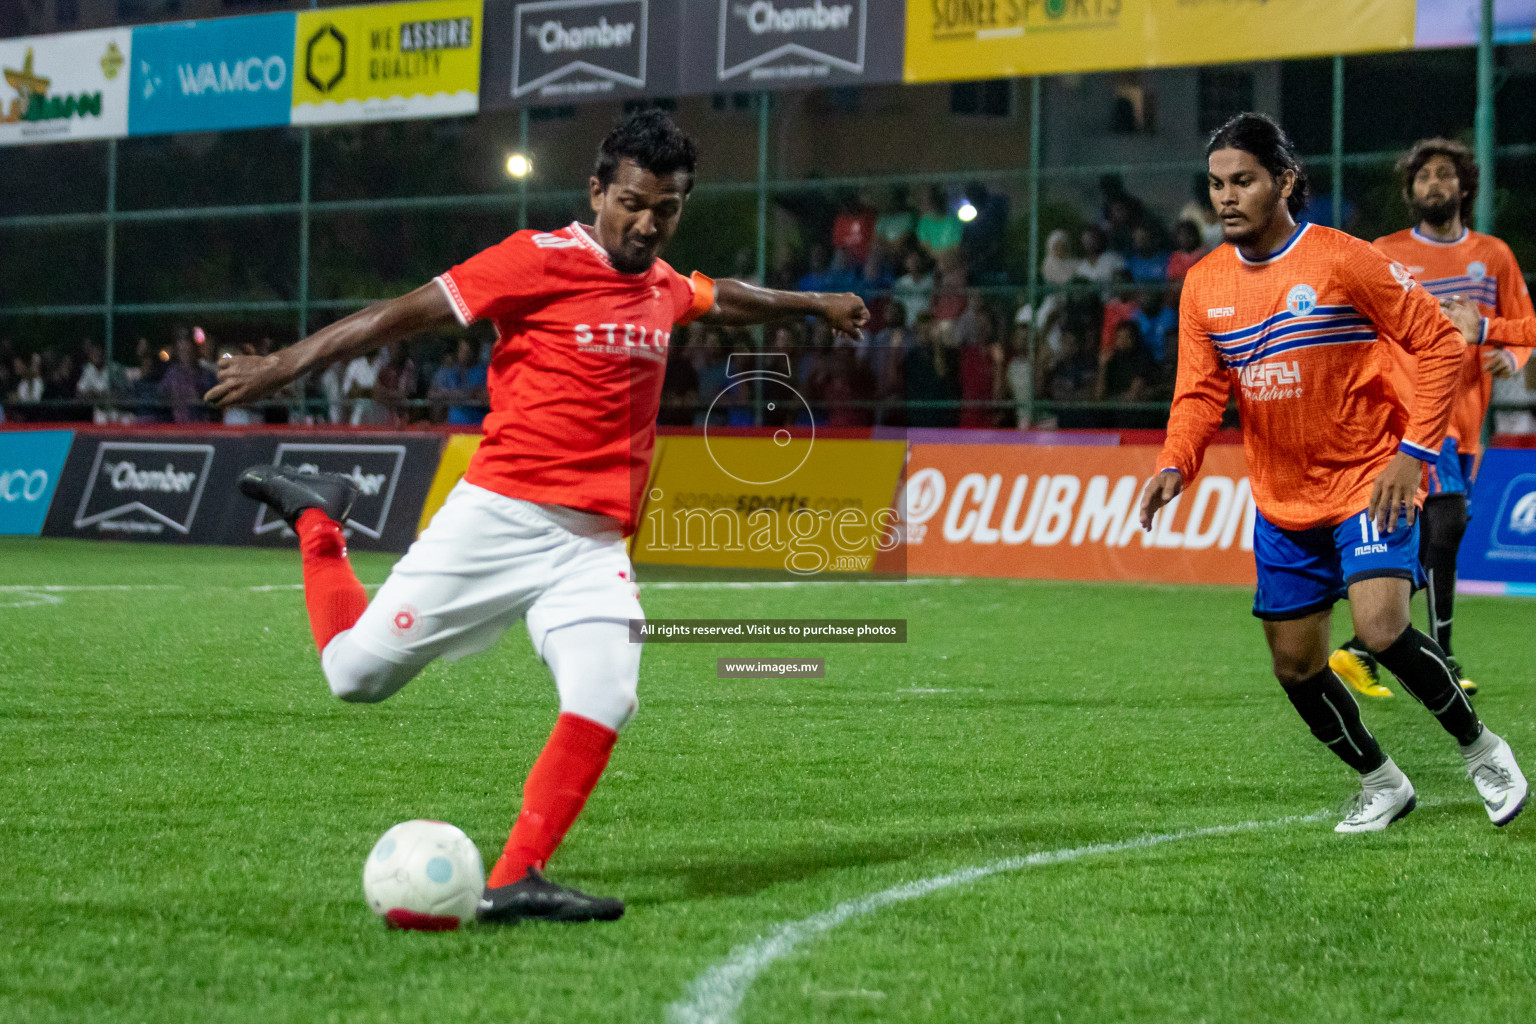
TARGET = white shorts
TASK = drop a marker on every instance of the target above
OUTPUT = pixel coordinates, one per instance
(486, 561)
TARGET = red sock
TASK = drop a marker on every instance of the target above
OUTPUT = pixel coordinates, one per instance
(331, 592)
(557, 788)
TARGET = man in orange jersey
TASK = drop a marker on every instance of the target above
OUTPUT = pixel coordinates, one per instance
(1295, 319)
(1452, 263)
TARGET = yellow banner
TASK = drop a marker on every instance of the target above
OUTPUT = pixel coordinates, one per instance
(387, 61)
(802, 505)
(949, 40)
(450, 470)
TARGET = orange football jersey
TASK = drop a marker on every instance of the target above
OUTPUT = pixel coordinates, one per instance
(1479, 268)
(1299, 337)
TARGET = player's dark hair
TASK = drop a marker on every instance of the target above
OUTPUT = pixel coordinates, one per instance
(652, 140)
(1466, 169)
(1260, 136)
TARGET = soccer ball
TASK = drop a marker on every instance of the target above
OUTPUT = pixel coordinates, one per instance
(425, 875)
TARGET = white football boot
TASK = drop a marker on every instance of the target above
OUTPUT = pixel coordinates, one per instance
(1376, 808)
(1498, 779)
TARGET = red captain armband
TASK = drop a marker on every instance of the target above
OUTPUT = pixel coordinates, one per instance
(703, 298)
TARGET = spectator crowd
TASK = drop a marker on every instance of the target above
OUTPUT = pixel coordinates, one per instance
(167, 385)
(954, 341)
(950, 343)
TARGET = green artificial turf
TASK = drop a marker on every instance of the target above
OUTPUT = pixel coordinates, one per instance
(185, 813)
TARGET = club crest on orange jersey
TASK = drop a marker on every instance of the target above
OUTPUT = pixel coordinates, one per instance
(1301, 300)
(1477, 270)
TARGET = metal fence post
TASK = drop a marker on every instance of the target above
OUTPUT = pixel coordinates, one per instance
(109, 292)
(763, 117)
(1483, 211)
(763, 99)
(304, 176)
(1336, 163)
(1035, 136)
(522, 183)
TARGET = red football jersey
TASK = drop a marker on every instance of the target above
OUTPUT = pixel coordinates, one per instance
(575, 377)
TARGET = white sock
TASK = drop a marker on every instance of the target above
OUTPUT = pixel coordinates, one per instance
(1484, 743)
(1388, 776)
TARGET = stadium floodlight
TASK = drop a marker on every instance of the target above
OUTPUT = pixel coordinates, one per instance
(967, 211)
(519, 166)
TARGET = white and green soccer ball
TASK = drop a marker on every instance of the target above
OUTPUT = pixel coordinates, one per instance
(424, 875)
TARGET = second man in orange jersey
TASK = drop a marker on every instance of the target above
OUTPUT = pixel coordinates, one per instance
(1454, 264)
(1295, 319)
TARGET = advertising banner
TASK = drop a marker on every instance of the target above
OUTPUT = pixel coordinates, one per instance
(796, 504)
(1457, 22)
(393, 473)
(1500, 543)
(207, 75)
(1070, 513)
(145, 489)
(387, 62)
(451, 467)
(570, 51)
(65, 87)
(742, 45)
(958, 39)
(180, 487)
(31, 462)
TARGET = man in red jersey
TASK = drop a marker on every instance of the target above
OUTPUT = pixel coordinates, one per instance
(1452, 263)
(536, 528)
(1294, 319)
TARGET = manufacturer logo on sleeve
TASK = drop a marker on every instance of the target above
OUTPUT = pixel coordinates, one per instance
(579, 47)
(781, 40)
(144, 488)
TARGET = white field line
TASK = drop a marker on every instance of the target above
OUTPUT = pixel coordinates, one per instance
(53, 588)
(14, 596)
(715, 996)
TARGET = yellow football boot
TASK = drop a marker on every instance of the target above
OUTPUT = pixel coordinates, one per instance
(1360, 671)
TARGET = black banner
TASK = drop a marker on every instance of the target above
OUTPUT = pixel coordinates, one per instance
(541, 52)
(172, 488)
(572, 51)
(179, 487)
(749, 45)
(393, 473)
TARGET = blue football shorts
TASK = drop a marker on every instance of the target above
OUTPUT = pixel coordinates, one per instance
(1305, 571)
(1451, 473)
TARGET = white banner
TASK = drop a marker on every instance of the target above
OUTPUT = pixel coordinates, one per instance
(64, 87)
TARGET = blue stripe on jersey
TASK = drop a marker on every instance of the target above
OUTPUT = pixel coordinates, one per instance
(1301, 325)
(1341, 338)
(1242, 332)
(1355, 337)
(1487, 289)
